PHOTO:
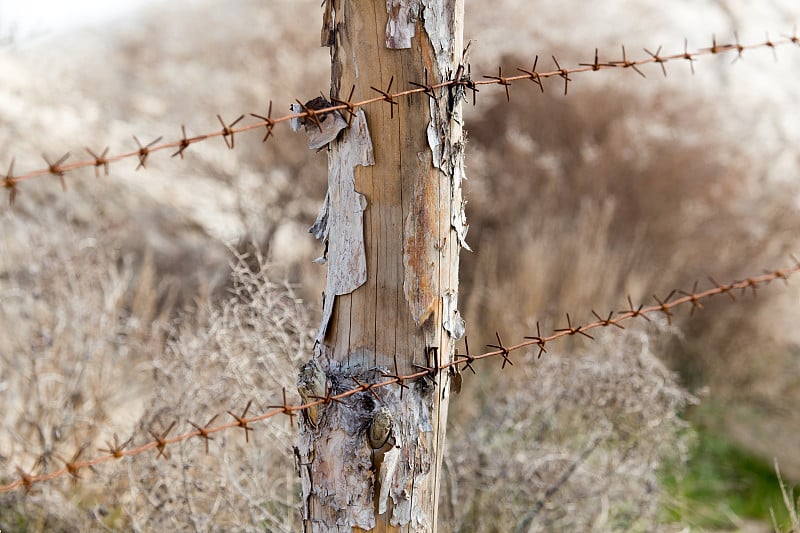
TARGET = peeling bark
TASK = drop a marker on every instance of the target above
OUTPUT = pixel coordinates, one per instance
(393, 225)
(401, 26)
(340, 223)
(440, 20)
(339, 451)
(453, 323)
(459, 217)
(319, 133)
(327, 34)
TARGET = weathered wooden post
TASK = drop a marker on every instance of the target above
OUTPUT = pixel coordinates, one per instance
(393, 225)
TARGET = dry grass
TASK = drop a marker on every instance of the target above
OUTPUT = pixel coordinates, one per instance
(574, 443)
(81, 327)
(244, 350)
(792, 505)
(218, 358)
(609, 193)
(578, 201)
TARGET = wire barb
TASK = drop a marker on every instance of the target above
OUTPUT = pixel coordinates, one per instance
(144, 151)
(687, 56)
(782, 275)
(694, 299)
(388, 96)
(227, 131)
(723, 289)
(534, 76)
(501, 80)
(10, 183)
(658, 59)
(467, 359)
(753, 285)
(634, 312)
(56, 170)
(607, 321)
(662, 305)
(739, 48)
(99, 161)
(204, 432)
(367, 387)
(504, 352)
(793, 37)
(427, 89)
(72, 465)
(563, 73)
(268, 122)
(161, 440)
(26, 480)
(350, 107)
(241, 421)
(397, 378)
(768, 43)
(311, 112)
(117, 450)
(329, 397)
(570, 330)
(626, 63)
(285, 408)
(539, 340)
(183, 144)
(432, 369)
(596, 65)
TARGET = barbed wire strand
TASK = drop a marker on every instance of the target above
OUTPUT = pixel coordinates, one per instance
(461, 80)
(462, 361)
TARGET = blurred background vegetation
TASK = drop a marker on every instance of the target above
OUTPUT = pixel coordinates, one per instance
(186, 289)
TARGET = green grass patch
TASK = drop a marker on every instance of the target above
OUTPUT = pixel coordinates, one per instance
(720, 484)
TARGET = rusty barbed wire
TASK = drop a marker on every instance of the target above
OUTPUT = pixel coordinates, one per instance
(462, 361)
(462, 79)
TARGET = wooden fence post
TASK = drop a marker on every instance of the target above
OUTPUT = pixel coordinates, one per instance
(393, 225)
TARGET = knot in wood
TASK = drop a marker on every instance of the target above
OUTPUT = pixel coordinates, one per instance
(380, 428)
